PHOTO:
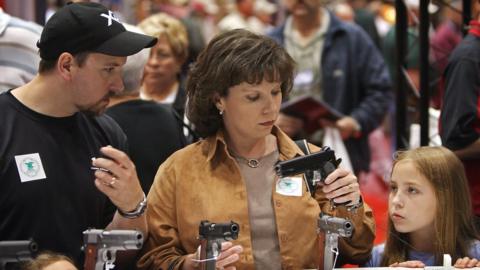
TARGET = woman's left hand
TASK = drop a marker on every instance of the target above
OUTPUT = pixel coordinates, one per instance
(342, 186)
(466, 262)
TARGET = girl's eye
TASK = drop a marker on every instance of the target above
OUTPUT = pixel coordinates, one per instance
(412, 190)
(253, 98)
(393, 188)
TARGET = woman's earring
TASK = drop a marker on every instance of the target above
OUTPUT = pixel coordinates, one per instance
(220, 112)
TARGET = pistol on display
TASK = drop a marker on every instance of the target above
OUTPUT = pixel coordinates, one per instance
(340, 226)
(101, 246)
(16, 251)
(211, 236)
(316, 166)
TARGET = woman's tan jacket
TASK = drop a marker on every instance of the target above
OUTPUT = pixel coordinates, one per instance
(203, 182)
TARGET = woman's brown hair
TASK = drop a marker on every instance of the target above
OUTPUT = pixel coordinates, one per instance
(232, 58)
(453, 227)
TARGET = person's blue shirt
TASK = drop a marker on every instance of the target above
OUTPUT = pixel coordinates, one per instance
(427, 258)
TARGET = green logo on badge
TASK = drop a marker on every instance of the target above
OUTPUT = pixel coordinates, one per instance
(287, 185)
(30, 167)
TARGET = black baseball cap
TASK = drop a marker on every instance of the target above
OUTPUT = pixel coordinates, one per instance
(79, 27)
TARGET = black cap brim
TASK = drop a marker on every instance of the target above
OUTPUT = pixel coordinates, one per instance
(125, 44)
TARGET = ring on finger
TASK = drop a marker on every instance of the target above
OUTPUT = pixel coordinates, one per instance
(112, 182)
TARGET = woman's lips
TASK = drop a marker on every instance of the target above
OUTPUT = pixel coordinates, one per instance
(269, 123)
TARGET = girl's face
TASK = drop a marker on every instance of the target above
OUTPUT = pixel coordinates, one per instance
(412, 200)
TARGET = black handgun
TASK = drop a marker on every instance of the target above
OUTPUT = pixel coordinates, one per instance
(211, 236)
(324, 162)
(16, 251)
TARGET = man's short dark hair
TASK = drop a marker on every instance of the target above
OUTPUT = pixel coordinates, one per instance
(232, 58)
(48, 65)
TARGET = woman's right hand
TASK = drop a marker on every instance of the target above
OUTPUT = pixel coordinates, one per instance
(228, 256)
(409, 264)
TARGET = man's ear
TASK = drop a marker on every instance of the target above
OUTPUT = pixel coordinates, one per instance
(65, 64)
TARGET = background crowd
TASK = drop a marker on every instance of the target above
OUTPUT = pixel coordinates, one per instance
(344, 55)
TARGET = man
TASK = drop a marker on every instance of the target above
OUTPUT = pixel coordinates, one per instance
(18, 53)
(51, 139)
(241, 17)
(338, 63)
(460, 117)
(153, 131)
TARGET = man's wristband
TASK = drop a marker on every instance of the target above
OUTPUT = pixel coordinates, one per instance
(137, 212)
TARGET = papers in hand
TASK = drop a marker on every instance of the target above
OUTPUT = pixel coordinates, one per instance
(310, 109)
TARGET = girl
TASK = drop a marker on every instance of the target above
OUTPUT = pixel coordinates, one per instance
(430, 212)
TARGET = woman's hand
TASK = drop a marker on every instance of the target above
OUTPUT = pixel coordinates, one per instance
(409, 264)
(342, 186)
(228, 256)
(466, 262)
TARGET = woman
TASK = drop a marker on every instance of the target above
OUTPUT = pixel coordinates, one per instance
(235, 89)
(162, 78)
(430, 213)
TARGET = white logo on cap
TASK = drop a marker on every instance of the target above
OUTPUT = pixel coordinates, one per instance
(110, 17)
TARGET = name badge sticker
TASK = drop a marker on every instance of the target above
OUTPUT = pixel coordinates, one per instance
(290, 186)
(30, 167)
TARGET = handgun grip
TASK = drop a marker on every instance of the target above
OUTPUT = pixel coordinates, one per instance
(90, 257)
(321, 250)
(203, 253)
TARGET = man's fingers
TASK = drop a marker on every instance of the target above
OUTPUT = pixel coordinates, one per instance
(118, 156)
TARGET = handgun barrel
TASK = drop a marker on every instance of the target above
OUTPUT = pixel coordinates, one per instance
(17, 250)
(225, 231)
(330, 224)
(114, 239)
(303, 164)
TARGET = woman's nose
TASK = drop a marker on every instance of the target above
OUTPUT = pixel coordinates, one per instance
(271, 105)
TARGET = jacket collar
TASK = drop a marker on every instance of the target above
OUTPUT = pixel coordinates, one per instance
(335, 26)
(216, 147)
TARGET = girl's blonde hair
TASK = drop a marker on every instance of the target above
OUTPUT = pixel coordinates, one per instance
(45, 259)
(453, 225)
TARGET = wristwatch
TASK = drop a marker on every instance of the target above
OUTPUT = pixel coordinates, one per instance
(355, 206)
(137, 212)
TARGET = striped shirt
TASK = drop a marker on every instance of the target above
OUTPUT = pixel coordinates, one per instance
(19, 56)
